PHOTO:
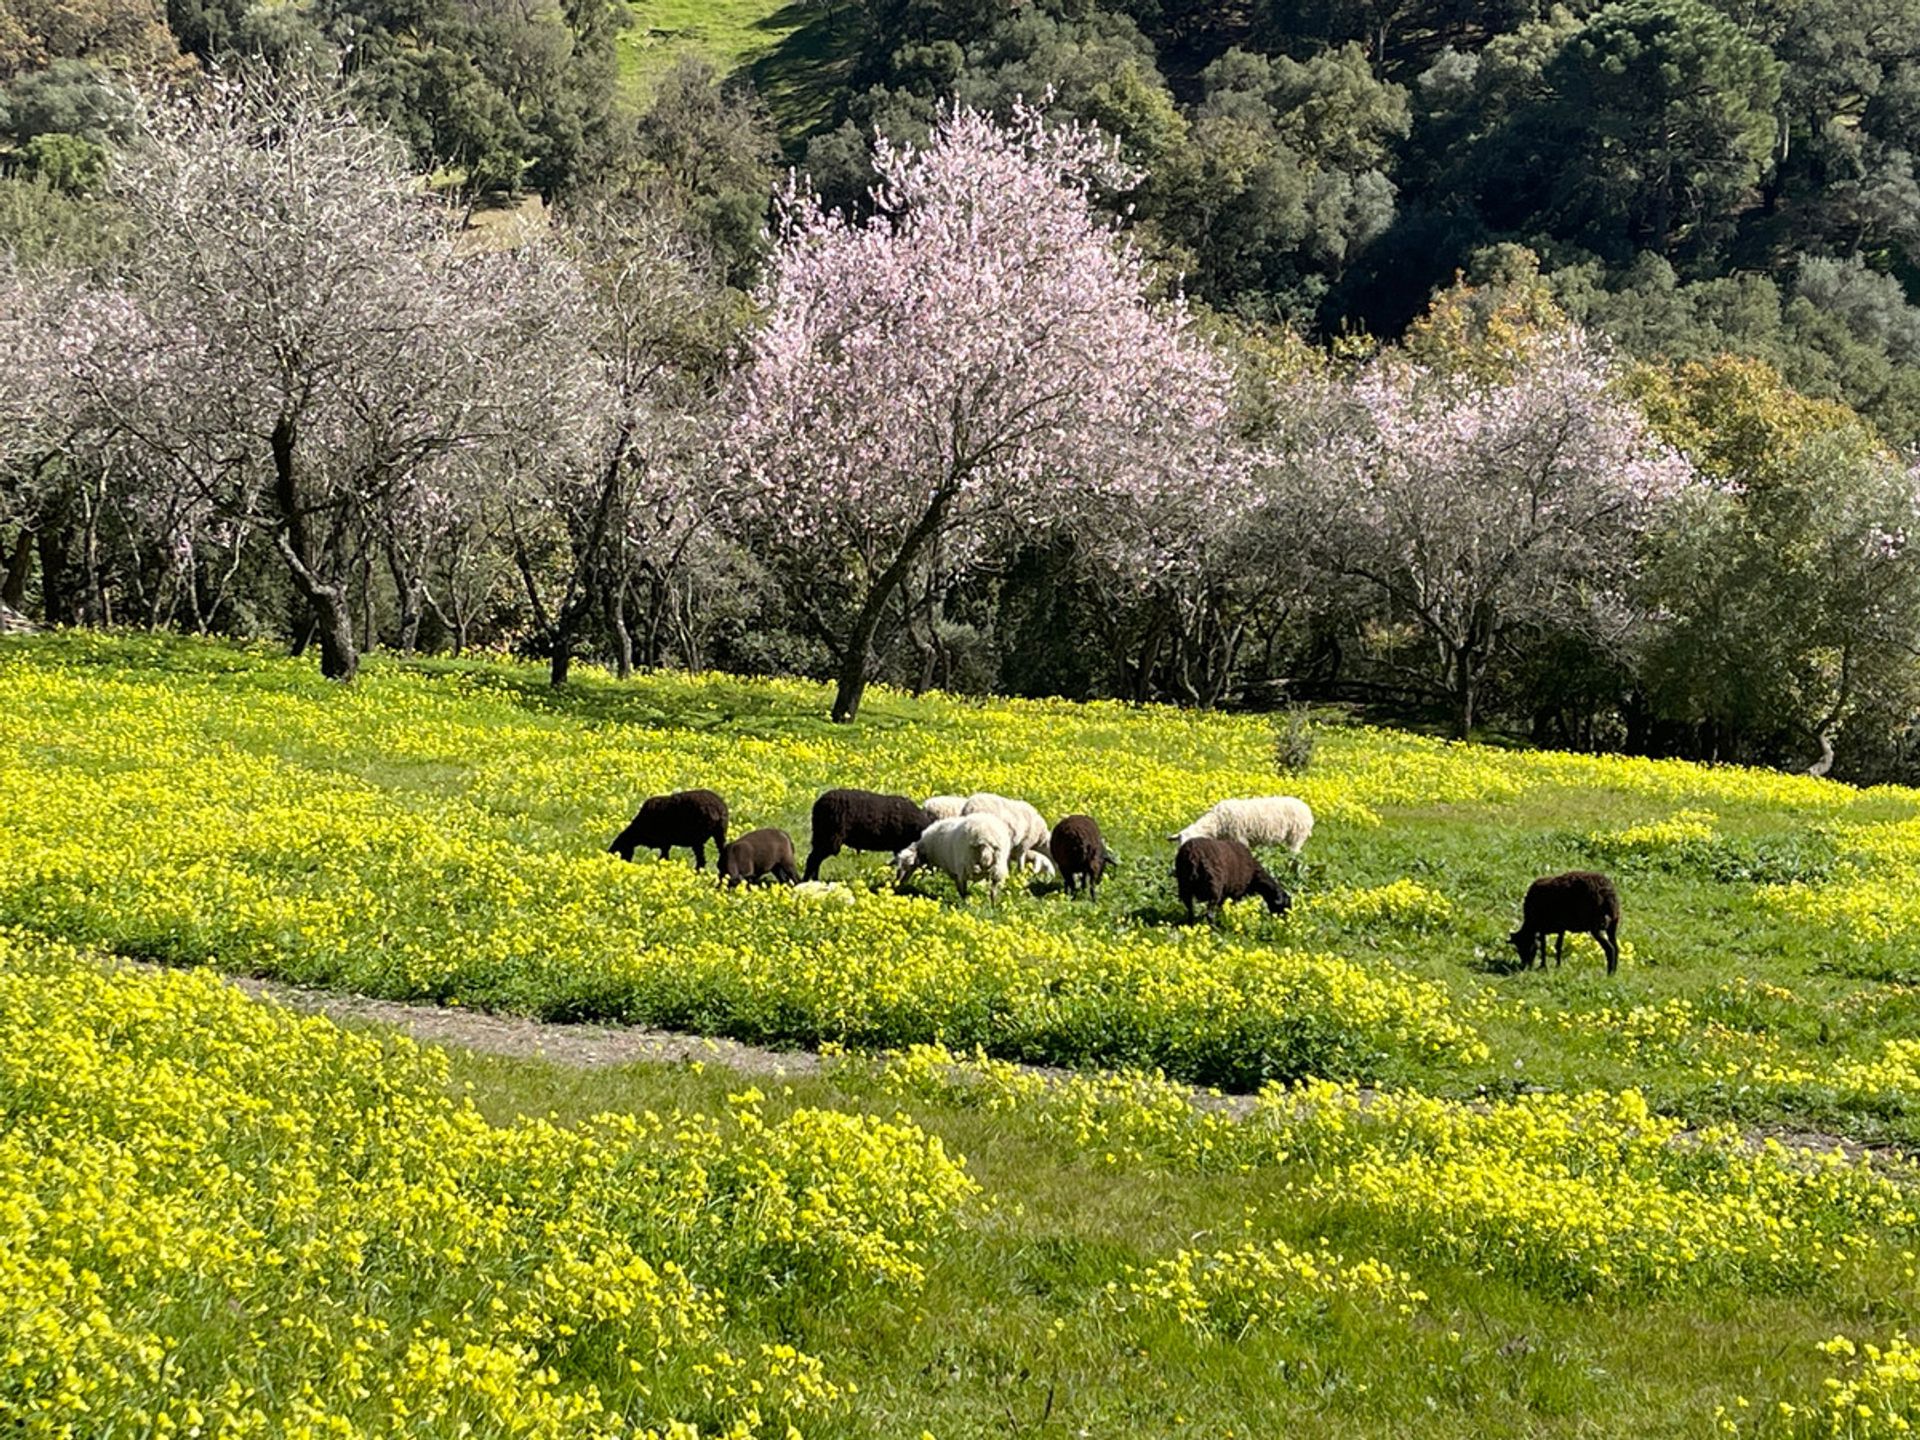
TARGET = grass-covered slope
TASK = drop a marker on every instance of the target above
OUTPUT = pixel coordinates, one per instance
(439, 832)
(218, 1219)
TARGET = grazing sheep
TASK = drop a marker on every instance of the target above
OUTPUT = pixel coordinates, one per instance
(759, 855)
(945, 807)
(1081, 853)
(1211, 872)
(1028, 825)
(968, 847)
(1267, 820)
(688, 817)
(1041, 865)
(862, 820)
(1583, 901)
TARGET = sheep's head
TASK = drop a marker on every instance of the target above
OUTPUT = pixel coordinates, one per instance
(1522, 940)
(1270, 890)
(905, 862)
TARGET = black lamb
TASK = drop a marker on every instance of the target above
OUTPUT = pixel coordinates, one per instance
(688, 817)
(1212, 872)
(863, 820)
(759, 855)
(1080, 852)
(1582, 901)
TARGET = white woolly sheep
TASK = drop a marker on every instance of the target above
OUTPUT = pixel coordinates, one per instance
(945, 807)
(1266, 820)
(1040, 865)
(1029, 826)
(967, 847)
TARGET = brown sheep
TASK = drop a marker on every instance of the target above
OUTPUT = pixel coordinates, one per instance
(759, 855)
(1212, 872)
(862, 820)
(1079, 851)
(688, 817)
(1583, 901)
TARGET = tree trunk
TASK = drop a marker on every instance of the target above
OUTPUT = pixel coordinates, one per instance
(332, 607)
(57, 598)
(1466, 692)
(339, 659)
(562, 660)
(409, 598)
(13, 590)
(855, 658)
(853, 667)
(622, 636)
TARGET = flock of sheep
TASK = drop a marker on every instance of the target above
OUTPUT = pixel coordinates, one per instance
(987, 837)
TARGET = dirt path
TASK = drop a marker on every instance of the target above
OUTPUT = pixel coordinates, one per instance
(586, 1046)
(604, 1046)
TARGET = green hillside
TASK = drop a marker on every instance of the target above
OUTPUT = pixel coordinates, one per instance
(1477, 1202)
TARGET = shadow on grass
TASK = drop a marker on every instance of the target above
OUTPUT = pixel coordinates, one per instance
(803, 75)
(745, 709)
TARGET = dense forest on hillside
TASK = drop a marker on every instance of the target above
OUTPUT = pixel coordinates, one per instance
(1415, 241)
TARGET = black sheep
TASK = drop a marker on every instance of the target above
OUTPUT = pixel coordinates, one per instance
(1212, 872)
(1583, 901)
(1079, 850)
(862, 820)
(759, 855)
(689, 817)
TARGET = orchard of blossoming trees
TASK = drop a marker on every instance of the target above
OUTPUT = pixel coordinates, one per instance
(968, 436)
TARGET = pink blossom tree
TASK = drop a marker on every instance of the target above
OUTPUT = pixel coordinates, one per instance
(1479, 505)
(981, 357)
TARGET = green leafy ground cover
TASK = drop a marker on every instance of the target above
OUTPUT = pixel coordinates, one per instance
(1560, 1221)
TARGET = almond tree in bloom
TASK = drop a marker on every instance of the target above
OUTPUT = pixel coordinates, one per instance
(979, 358)
(35, 412)
(351, 354)
(1479, 506)
(600, 487)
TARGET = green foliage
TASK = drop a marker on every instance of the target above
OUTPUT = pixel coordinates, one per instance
(68, 163)
(704, 150)
(1294, 738)
(1656, 120)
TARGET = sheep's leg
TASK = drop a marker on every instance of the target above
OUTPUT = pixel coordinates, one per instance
(665, 851)
(700, 855)
(1559, 948)
(1611, 945)
(786, 874)
(816, 856)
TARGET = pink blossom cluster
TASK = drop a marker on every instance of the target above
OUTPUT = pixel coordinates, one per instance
(979, 357)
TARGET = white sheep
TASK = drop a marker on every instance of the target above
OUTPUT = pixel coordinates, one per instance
(1040, 865)
(967, 847)
(1030, 830)
(1266, 820)
(945, 807)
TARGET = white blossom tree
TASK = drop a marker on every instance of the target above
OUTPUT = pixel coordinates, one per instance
(349, 350)
(609, 486)
(1475, 505)
(980, 357)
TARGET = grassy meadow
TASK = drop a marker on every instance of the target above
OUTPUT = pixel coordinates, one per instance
(795, 52)
(1468, 1202)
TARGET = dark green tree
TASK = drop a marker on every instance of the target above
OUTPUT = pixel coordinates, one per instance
(1658, 128)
